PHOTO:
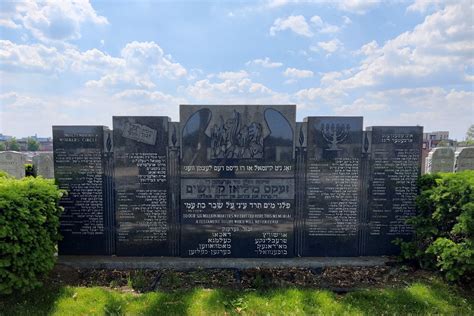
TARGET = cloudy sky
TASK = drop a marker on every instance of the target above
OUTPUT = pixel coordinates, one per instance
(394, 62)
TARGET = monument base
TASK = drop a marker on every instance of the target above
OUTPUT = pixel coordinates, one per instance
(122, 263)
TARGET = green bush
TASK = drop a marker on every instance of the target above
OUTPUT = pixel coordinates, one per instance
(29, 170)
(444, 226)
(29, 231)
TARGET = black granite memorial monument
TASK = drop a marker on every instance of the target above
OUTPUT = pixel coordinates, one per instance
(333, 179)
(394, 167)
(237, 181)
(80, 167)
(143, 212)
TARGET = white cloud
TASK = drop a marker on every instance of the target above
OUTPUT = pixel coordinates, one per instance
(52, 20)
(124, 80)
(34, 58)
(233, 90)
(93, 60)
(295, 23)
(323, 27)
(149, 97)
(357, 6)
(148, 57)
(434, 107)
(437, 50)
(298, 73)
(330, 46)
(45, 59)
(422, 6)
(41, 112)
(232, 75)
(359, 107)
(266, 63)
(141, 64)
(369, 49)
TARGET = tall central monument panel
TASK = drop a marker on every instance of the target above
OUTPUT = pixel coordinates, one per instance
(237, 180)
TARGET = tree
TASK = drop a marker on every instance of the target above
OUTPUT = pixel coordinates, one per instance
(13, 144)
(470, 133)
(442, 143)
(2, 147)
(32, 144)
(469, 141)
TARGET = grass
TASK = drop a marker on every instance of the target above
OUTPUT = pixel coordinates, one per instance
(417, 298)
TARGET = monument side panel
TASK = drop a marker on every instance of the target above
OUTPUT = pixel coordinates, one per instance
(141, 185)
(79, 169)
(333, 186)
(395, 165)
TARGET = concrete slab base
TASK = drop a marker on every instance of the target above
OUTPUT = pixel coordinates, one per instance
(123, 263)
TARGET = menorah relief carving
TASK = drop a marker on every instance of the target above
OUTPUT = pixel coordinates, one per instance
(334, 134)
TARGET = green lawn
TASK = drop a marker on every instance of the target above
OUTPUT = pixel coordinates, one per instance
(417, 298)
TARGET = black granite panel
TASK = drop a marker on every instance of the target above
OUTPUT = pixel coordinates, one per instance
(333, 182)
(395, 165)
(237, 181)
(141, 185)
(79, 168)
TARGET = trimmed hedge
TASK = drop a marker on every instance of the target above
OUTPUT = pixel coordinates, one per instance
(29, 231)
(444, 228)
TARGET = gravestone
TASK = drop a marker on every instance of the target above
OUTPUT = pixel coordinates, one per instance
(80, 168)
(465, 159)
(440, 159)
(143, 209)
(44, 165)
(237, 180)
(395, 162)
(333, 178)
(13, 163)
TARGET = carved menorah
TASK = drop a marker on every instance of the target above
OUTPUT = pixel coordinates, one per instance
(334, 134)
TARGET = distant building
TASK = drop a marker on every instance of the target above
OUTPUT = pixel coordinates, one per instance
(45, 143)
(432, 139)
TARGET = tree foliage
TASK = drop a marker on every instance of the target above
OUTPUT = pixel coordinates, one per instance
(32, 144)
(12, 144)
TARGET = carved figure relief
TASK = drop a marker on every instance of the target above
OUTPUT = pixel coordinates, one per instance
(231, 139)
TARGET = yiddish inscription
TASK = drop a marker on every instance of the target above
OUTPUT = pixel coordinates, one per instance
(79, 169)
(333, 177)
(395, 161)
(141, 185)
(237, 181)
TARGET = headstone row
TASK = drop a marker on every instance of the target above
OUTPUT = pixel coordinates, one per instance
(236, 181)
(13, 163)
(445, 159)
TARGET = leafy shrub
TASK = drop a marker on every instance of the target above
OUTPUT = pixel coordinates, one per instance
(29, 170)
(444, 226)
(29, 222)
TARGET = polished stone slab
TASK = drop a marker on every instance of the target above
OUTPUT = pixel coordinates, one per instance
(79, 168)
(141, 185)
(237, 180)
(333, 183)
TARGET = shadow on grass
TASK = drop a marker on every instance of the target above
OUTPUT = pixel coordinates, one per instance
(41, 301)
(418, 298)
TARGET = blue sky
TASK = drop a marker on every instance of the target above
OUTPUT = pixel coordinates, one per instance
(80, 62)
